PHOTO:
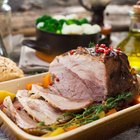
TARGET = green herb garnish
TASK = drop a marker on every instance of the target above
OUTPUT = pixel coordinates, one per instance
(91, 113)
(41, 124)
(113, 102)
(91, 45)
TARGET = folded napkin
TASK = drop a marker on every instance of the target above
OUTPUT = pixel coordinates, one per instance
(29, 62)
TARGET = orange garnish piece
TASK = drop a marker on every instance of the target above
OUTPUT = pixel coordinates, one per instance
(71, 127)
(137, 99)
(47, 80)
(111, 111)
(29, 85)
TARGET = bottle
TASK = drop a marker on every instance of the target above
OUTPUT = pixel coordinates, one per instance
(131, 44)
(5, 25)
(3, 51)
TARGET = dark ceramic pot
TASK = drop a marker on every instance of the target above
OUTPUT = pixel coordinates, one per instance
(55, 44)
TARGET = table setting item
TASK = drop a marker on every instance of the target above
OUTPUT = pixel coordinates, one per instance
(54, 43)
(5, 28)
(30, 63)
(130, 45)
(3, 51)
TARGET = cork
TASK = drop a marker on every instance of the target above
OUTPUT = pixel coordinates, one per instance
(136, 8)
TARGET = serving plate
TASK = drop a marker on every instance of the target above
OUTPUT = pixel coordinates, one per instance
(101, 129)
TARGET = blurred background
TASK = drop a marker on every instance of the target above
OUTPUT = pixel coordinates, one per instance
(113, 16)
(24, 12)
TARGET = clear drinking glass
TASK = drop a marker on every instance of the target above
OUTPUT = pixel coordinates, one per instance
(5, 25)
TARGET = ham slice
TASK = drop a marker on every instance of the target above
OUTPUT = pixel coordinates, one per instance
(90, 72)
(40, 110)
(60, 102)
(68, 83)
(21, 118)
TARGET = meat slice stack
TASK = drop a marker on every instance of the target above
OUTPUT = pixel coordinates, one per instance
(79, 78)
(19, 116)
(38, 109)
(59, 102)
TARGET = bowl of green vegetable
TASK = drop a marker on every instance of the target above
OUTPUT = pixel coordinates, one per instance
(58, 34)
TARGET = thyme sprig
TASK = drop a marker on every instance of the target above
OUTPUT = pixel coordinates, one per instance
(113, 102)
(91, 113)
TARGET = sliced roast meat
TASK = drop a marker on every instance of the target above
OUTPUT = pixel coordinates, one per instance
(39, 109)
(17, 105)
(84, 68)
(103, 75)
(79, 78)
(21, 118)
(68, 84)
(60, 102)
